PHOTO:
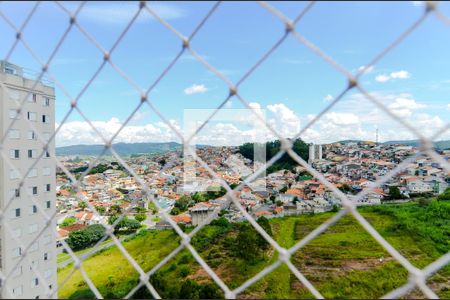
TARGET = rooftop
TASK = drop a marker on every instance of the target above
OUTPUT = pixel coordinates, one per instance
(15, 70)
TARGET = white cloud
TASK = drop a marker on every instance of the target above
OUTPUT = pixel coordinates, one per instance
(285, 121)
(342, 118)
(353, 118)
(195, 89)
(417, 3)
(393, 75)
(122, 12)
(79, 132)
(368, 70)
(403, 107)
(328, 98)
(401, 74)
(382, 78)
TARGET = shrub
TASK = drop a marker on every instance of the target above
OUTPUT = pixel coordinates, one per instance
(68, 221)
(80, 239)
(140, 217)
(221, 222)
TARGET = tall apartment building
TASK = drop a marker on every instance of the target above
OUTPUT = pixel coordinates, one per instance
(315, 152)
(24, 218)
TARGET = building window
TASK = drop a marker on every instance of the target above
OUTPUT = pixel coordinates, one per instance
(32, 116)
(34, 190)
(32, 228)
(14, 193)
(48, 204)
(46, 239)
(17, 291)
(46, 171)
(31, 135)
(45, 119)
(13, 114)
(14, 154)
(9, 70)
(33, 98)
(17, 252)
(48, 187)
(14, 134)
(33, 209)
(32, 173)
(31, 153)
(35, 282)
(14, 174)
(45, 256)
(46, 101)
(17, 212)
(47, 154)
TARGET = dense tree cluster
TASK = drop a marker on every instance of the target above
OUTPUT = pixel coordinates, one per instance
(272, 148)
(125, 225)
(445, 196)
(80, 239)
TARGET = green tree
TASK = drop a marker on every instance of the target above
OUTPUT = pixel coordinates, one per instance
(183, 203)
(247, 243)
(140, 209)
(210, 291)
(82, 204)
(112, 219)
(394, 193)
(264, 223)
(283, 189)
(175, 211)
(222, 222)
(279, 203)
(345, 188)
(189, 290)
(140, 217)
(272, 148)
(80, 239)
(445, 196)
(100, 209)
(127, 225)
(68, 221)
(115, 209)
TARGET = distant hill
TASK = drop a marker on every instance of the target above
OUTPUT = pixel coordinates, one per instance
(439, 144)
(155, 148)
(120, 148)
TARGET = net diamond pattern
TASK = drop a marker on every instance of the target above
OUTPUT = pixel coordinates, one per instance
(417, 278)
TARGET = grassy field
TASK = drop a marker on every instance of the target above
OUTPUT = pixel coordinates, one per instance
(343, 262)
(65, 256)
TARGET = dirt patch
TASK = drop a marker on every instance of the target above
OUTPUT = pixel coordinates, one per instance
(200, 276)
(366, 264)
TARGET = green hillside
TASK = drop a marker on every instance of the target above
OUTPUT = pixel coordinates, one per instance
(343, 262)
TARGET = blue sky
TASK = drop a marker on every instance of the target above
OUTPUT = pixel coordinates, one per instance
(292, 85)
